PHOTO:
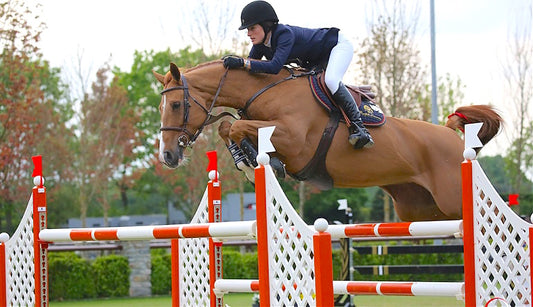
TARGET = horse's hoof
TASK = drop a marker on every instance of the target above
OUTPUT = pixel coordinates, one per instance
(278, 167)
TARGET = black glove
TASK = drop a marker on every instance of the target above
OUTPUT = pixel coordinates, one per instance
(233, 62)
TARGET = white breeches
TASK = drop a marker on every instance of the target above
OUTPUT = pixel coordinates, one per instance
(339, 59)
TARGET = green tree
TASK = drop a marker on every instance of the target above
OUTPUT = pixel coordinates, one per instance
(451, 95)
(325, 205)
(106, 142)
(31, 118)
(389, 59)
(518, 72)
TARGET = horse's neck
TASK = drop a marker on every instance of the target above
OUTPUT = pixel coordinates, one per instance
(237, 87)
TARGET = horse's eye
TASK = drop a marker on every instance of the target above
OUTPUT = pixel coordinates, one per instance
(175, 106)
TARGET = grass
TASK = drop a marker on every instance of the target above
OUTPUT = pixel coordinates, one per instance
(234, 299)
(245, 300)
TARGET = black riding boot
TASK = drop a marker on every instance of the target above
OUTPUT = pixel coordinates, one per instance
(359, 136)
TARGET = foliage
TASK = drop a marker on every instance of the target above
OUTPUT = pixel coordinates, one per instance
(31, 116)
(408, 259)
(70, 277)
(161, 277)
(107, 131)
(249, 265)
(112, 276)
(518, 72)
(325, 205)
(389, 60)
(499, 177)
(233, 265)
(450, 93)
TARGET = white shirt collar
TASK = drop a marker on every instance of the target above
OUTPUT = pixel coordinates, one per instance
(268, 41)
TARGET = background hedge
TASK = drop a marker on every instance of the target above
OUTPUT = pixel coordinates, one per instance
(72, 277)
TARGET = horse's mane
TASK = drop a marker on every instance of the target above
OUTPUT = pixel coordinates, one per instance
(202, 65)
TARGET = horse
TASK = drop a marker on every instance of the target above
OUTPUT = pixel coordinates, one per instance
(417, 163)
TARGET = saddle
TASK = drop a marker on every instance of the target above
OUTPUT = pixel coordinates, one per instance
(371, 114)
(315, 171)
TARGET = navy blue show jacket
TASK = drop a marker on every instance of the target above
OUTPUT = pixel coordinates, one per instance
(310, 47)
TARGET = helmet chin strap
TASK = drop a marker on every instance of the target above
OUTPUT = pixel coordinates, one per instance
(266, 33)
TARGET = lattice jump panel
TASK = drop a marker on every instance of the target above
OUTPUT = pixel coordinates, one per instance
(291, 259)
(501, 246)
(194, 263)
(19, 262)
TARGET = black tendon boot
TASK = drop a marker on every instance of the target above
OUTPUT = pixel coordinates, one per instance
(359, 136)
(251, 153)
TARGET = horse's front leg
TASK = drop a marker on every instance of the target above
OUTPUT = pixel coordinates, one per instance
(238, 156)
(243, 132)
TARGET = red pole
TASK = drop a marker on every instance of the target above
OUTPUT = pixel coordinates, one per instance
(531, 259)
(262, 236)
(215, 248)
(40, 256)
(40, 249)
(468, 234)
(3, 276)
(175, 266)
(323, 268)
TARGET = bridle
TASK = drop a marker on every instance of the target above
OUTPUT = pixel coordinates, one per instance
(187, 139)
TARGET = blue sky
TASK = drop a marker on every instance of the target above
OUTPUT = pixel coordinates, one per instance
(471, 36)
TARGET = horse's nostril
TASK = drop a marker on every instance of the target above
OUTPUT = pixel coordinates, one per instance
(169, 157)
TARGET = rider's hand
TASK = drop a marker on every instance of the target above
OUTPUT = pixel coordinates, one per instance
(233, 62)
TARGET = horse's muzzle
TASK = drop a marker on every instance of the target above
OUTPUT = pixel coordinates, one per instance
(172, 158)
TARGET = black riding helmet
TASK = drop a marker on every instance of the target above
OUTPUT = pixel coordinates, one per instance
(257, 12)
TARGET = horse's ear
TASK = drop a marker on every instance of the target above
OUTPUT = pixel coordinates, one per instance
(159, 77)
(174, 70)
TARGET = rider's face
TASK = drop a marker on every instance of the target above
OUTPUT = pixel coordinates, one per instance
(256, 34)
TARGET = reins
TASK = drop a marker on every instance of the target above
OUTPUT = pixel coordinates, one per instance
(242, 112)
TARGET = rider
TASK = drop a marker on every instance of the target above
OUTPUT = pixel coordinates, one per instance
(325, 47)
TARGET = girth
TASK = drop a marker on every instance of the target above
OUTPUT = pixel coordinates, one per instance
(315, 171)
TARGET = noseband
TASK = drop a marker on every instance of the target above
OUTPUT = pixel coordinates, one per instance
(189, 138)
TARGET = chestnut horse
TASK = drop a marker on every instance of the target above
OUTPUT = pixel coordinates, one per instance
(416, 162)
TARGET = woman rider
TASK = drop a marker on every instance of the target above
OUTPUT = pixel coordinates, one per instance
(279, 43)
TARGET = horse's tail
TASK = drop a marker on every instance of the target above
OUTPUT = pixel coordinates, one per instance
(492, 121)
